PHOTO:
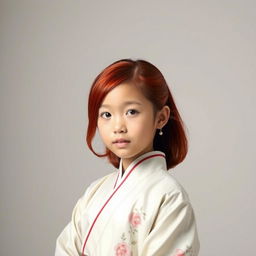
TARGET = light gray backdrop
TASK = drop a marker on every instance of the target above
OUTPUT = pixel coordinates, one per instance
(50, 53)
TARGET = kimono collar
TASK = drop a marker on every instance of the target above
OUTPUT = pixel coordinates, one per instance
(152, 159)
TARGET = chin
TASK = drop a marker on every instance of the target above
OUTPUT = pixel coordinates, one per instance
(122, 154)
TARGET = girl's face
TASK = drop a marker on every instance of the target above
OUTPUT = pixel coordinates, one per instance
(125, 114)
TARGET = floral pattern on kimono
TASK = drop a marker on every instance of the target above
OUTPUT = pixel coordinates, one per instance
(122, 249)
(135, 219)
(187, 252)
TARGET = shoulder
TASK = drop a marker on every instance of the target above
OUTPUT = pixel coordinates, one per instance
(166, 186)
(83, 201)
(171, 197)
(94, 185)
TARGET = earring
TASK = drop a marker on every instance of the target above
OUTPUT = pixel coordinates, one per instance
(161, 132)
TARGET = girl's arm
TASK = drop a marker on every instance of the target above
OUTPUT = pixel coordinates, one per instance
(69, 241)
(174, 232)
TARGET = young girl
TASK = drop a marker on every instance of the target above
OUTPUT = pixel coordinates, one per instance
(140, 209)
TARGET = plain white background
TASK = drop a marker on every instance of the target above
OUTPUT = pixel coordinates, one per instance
(50, 53)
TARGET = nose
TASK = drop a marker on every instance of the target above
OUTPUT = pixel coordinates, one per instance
(119, 125)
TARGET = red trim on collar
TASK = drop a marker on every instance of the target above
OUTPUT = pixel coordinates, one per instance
(116, 180)
(87, 237)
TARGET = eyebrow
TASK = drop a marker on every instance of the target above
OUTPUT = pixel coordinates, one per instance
(125, 104)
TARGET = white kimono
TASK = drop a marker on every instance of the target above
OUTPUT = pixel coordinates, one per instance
(142, 213)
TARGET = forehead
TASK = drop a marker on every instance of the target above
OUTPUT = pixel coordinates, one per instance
(125, 94)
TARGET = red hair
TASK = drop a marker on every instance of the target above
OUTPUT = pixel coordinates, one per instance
(150, 80)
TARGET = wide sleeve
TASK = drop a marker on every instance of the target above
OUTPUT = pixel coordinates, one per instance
(69, 242)
(174, 231)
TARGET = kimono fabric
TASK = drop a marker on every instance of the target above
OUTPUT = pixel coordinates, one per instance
(143, 212)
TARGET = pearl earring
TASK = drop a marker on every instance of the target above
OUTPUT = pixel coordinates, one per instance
(161, 132)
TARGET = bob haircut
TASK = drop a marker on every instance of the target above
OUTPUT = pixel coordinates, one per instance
(151, 82)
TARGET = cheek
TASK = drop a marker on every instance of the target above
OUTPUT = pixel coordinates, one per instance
(104, 131)
(134, 126)
(143, 127)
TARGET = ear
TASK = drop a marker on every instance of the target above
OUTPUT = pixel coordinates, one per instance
(162, 117)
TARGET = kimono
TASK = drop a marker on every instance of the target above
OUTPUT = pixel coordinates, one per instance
(143, 212)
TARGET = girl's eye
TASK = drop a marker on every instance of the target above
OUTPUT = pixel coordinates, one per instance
(105, 115)
(132, 111)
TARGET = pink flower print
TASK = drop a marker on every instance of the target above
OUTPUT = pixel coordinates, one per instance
(179, 252)
(134, 219)
(122, 249)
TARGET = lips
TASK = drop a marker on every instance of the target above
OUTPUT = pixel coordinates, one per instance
(121, 141)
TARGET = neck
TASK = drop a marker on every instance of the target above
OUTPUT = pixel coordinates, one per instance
(123, 168)
(127, 161)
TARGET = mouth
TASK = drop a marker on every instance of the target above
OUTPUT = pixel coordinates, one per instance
(121, 142)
